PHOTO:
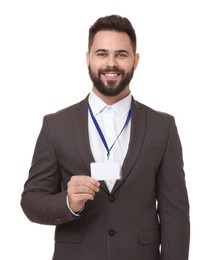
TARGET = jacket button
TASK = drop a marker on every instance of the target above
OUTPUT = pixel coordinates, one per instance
(111, 199)
(111, 232)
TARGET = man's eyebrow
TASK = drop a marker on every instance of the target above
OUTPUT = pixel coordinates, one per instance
(105, 50)
(120, 51)
(101, 50)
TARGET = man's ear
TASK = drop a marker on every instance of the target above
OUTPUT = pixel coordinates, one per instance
(87, 58)
(137, 57)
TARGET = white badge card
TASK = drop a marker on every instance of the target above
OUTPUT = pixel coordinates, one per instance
(103, 171)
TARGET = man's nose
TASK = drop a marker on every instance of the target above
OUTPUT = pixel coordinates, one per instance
(111, 60)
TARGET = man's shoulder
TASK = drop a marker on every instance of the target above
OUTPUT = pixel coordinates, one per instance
(151, 112)
(67, 111)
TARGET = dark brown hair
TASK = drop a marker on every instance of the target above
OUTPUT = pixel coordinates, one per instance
(112, 23)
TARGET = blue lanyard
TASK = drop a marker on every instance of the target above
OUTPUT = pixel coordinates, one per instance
(100, 131)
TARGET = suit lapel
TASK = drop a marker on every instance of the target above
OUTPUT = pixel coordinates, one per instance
(138, 126)
(80, 124)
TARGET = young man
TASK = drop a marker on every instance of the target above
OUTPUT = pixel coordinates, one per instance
(108, 171)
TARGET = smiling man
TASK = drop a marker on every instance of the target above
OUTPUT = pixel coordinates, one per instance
(108, 171)
(111, 68)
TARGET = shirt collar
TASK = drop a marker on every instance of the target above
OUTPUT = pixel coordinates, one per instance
(121, 108)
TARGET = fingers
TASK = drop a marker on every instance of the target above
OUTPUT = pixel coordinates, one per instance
(81, 189)
(85, 184)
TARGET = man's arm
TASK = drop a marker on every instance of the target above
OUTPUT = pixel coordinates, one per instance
(42, 200)
(173, 205)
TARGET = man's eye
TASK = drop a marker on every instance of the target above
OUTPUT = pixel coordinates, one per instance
(121, 55)
(102, 54)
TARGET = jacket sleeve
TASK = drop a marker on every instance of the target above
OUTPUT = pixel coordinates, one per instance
(42, 200)
(173, 204)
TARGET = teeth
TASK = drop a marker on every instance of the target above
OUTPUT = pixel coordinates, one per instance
(111, 75)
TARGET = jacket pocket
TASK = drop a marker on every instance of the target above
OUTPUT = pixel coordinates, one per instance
(68, 236)
(149, 237)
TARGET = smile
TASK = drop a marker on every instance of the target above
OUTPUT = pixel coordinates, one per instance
(111, 75)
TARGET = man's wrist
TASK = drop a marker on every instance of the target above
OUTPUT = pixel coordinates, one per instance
(78, 213)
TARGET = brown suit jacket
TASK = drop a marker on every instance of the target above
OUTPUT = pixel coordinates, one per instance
(146, 216)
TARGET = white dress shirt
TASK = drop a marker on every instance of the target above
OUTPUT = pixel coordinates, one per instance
(111, 120)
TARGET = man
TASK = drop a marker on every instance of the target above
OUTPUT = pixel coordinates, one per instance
(108, 171)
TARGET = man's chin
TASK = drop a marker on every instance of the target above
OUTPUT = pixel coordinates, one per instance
(111, 92)
(111, 84)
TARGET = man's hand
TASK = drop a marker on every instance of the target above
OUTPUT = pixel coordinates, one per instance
(80, 189)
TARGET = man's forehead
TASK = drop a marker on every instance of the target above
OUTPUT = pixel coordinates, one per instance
(111, 41)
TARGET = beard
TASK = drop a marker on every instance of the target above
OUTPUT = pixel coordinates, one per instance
(110, 90)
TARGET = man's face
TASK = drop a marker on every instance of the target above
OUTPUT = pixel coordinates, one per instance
(111, 62)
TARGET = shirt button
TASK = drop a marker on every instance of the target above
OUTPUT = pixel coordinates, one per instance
(111, 232)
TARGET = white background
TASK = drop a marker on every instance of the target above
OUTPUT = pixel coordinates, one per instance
(43, 69)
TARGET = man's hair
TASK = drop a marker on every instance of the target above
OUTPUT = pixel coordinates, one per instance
(112, 23)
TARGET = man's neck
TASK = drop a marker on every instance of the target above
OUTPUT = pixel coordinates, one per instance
(112, 100)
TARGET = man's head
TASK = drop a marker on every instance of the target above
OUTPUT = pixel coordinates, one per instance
(112, 23)
(111, 55)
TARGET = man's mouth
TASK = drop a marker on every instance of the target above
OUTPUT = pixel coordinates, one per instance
(111, 75)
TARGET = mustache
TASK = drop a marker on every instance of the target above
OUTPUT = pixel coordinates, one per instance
(111, 69)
